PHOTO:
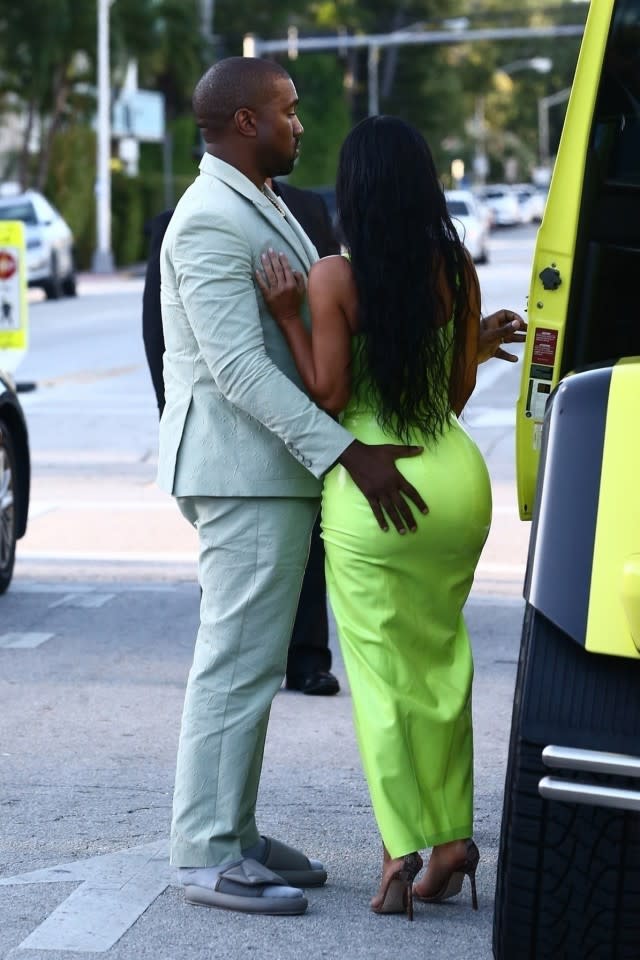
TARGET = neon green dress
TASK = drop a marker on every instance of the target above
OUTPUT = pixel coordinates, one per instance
(398, 602)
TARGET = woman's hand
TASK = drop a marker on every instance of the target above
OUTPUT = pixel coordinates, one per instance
(504, 326)
(282, 288)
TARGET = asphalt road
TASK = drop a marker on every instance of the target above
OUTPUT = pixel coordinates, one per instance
(95, 643)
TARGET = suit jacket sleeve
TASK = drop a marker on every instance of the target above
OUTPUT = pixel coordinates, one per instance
(312, 213)
(151, 315)
(214, 272)
(327, 243)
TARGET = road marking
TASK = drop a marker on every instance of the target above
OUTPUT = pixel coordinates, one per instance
(510, 569)
(91, 458)
(490, 417)
(86, 601)
(38, 508)
(124, 586)
(90, 376)
(23, 641)
(478, 599)
(113, 556)
(179, 559)
(115, 890)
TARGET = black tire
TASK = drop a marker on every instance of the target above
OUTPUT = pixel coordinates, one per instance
(484, 257)
(8, 480)
(69, 287)
(53, 285)
(568, 874)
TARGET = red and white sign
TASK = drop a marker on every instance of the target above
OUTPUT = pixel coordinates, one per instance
(544, 346)
(9, 290)
(8, 264)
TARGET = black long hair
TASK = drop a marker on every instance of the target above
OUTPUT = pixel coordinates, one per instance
(402, 246)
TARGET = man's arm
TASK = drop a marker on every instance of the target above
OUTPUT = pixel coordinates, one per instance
(214, 273)
(151, 314)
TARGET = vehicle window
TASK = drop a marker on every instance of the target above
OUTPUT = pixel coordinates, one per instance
(44, 210)
(21, 210)
(457, 208)
(617, 119)
(494, 194)
(603, 322)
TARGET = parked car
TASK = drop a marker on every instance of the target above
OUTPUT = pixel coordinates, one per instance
(503, 203)
(532, 201)
(470, 223)
(49, 241)
(15, 477)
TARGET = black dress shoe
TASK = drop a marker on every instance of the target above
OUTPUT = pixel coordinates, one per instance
(320, 683)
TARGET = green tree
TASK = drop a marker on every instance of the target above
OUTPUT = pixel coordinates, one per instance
(41, 43)
(48, 62)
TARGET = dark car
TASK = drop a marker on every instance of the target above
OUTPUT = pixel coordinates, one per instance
(15, 478)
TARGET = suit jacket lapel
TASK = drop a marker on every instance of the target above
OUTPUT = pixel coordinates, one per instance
(287, 226)
(303, 237)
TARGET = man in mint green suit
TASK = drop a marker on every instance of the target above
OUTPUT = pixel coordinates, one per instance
(243, 450)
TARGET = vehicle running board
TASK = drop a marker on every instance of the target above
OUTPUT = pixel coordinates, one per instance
(590, 761)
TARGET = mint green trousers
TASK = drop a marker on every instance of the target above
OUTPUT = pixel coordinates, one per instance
(252, 559)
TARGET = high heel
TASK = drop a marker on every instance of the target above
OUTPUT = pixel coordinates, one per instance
(453, 883)
(398, 896)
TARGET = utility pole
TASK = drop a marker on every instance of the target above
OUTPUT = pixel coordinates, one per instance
(103, 256)
(373, 60)
(255, 47)
(207, 14)
(543, 122)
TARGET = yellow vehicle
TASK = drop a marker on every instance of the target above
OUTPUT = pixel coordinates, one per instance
(568, 883)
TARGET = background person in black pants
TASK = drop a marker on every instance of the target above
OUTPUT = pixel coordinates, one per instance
(309, 660)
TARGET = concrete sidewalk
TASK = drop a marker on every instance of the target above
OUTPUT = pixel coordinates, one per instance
(90, 722)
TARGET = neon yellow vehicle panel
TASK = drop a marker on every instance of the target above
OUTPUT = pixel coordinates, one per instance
(555, 249)
(613, 622)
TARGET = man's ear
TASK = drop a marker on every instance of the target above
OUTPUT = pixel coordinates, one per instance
(245, 121)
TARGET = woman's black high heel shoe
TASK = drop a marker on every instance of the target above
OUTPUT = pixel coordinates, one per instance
(453, 883)
(397, 896)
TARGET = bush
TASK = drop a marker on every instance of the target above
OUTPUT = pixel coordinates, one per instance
(324, 115)
(134, 200)
(70, 186)
(127, 219)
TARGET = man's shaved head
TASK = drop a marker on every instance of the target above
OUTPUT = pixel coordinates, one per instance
(230, 85)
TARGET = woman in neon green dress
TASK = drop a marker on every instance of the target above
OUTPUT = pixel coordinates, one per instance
(393, 349)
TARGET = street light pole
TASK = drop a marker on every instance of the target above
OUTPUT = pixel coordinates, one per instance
(372, 62)
(103, 257)
(539, 64)
(480, 162)
(207, 14)
(543, 122)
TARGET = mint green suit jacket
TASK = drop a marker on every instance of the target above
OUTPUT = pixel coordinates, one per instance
(237, 421)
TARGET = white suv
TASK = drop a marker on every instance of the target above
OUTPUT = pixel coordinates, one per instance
(49, 242)
(503, 203)
(470, 222)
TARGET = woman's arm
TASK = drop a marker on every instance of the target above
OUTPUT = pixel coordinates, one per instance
(484, 337)
(464, 384)
(323, 356)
